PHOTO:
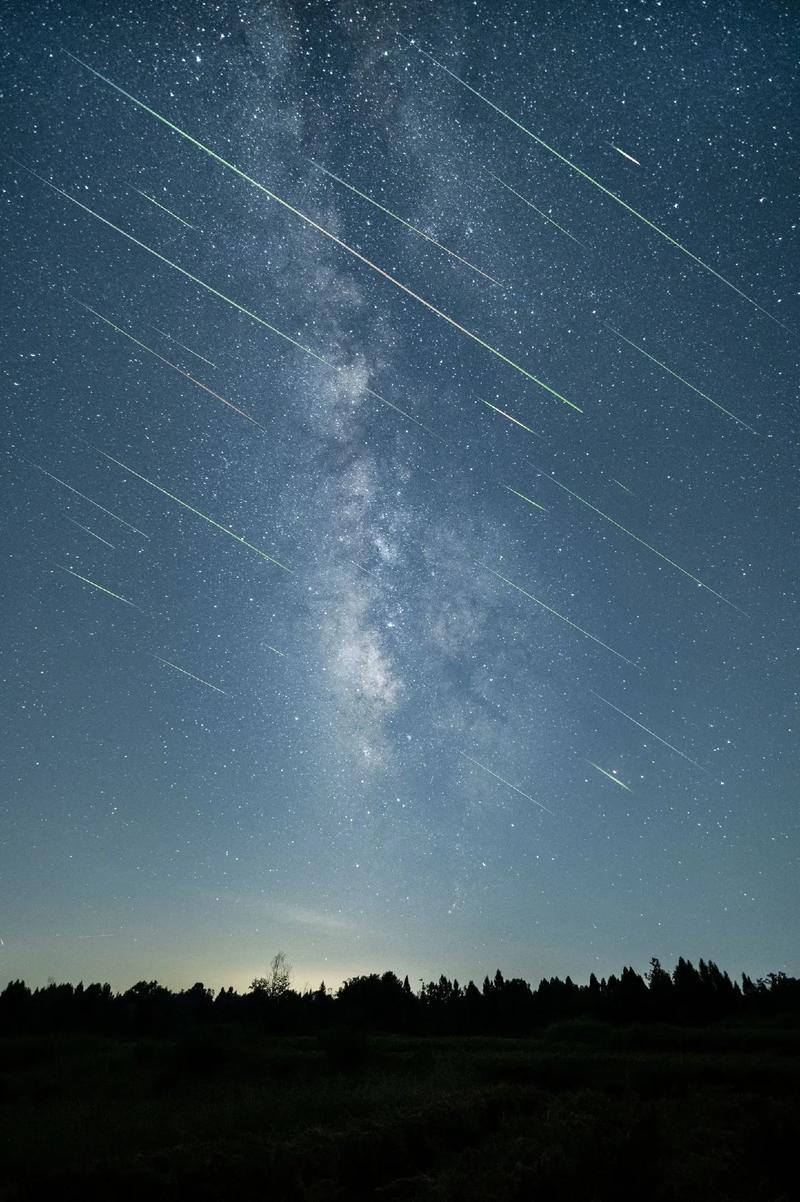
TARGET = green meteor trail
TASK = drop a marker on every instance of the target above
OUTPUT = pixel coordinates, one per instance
(88, 531)
(327, 234)
(158, 204)
(83, 497)
(221, 296)
(503, 413)
(505, 782)
(610, 776)
(522, 496)
(174, 366)
(94, 584)
(658, 363)
(630, 534)
(647, 730)
(539, 211)
(585, 175)
(269, 647)
(192, 676)
(407, 224)
(555, 612)
(231, 533)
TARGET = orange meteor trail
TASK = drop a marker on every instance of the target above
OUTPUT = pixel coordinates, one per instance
(83, 497)
(174, 367)
(585, 175)
(94, 584)
(407, 224)
(191, 675)
(221, 296)
(636, 538)
(658, 363)
(327, 234)
(610, 776)
(505, 782)
(231, 533)
(555, 612)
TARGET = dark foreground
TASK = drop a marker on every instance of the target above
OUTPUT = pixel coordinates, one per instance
(582, 1111)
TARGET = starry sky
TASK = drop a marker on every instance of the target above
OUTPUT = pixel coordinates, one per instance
(399, 488)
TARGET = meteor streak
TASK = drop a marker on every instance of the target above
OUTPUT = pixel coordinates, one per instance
(221, 295)
(585, 175)
(174, 367)
(505, 782)
(524, 498)
(231, 533)
(88, 531)
(658, 362)
(85, 498)
(624, 487)
(94, 584)
(625, 154)
(327, 234)
(630, 534)
(269, 647)
(555, 612)
(164, 334)
(153, 200)
(610, 776)
(647, 730)
(190, 674)
(503, 413)
(407, 224)
(539, 211)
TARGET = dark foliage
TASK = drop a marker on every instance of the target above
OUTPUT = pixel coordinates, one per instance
(691, 996)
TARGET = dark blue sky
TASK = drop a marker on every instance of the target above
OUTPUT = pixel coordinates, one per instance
(449, 728)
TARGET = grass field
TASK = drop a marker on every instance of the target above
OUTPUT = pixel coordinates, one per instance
(583, 1111)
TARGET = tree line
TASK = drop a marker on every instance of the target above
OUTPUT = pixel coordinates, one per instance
(382, 1002)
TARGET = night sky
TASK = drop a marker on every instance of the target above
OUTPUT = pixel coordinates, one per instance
(400, 544)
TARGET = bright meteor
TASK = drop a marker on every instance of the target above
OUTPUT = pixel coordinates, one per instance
(625, 154)
(94, 584)
(556, 614)
(231, 533)
(407, 224)
(327, 234)
(191, 675)
(174, 366)
(503, 413)
(585, 175)
(522, 496)
(658, 363)
(610, 776)
(505, 782)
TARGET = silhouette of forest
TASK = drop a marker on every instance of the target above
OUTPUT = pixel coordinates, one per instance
(382, 1002)
(671, 1086)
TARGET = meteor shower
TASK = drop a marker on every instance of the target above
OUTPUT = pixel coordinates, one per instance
(400, 592)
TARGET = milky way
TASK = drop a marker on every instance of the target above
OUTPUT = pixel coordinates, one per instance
(479, 325)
